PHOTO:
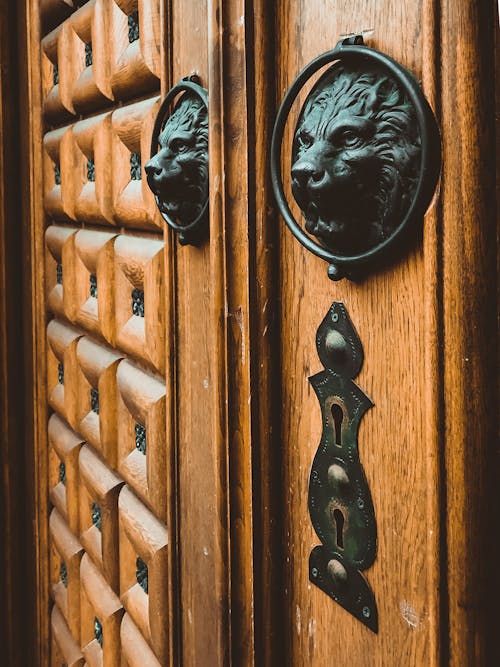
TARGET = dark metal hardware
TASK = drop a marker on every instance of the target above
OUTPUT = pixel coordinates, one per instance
(94, 400)
(96, 516)
(63, 572)
(88, 54)
(133, 27)
(62, 473)
(178, 172)
(340, 503)
(91, 170)
(141, 573)
(366, 158)
(138, 302)
(135, 167)
(98, 631)
(140, 438)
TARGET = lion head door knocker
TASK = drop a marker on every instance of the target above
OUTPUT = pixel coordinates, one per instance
(365, 162)
(365, 159)
(177, 172)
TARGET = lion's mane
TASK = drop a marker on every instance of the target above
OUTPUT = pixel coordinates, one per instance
(190, 115)
(375, 96)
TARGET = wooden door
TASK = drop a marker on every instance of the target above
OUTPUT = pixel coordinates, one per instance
(171, 425)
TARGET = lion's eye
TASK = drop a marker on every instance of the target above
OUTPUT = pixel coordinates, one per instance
(305, 140)
(350, 138)
(178, 146)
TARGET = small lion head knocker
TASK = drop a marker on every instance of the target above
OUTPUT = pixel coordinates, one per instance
(177, 173)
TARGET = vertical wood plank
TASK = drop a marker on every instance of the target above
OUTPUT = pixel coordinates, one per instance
(34, 320)
(15, 553)
(470, 329)
(264, 313)
(433, 396)
(201, 381)
(398, 444)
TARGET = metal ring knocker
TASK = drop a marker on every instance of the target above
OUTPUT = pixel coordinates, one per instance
(182, 162)
(362, 83)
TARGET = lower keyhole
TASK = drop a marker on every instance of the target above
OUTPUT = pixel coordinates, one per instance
(339, 527)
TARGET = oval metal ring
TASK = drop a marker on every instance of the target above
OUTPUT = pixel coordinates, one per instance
(192, 232)
(354, 51)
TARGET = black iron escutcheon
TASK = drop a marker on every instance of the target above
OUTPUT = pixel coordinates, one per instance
(366, 158)
(177, 173)
(340, 504)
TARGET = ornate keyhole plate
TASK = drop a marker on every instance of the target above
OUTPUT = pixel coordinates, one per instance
(340, 503)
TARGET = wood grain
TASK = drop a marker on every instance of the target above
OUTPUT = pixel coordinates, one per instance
(389, 312)
(99, 486)
(201, 419)
(60, 251)
(264, 316)
(136, 66)
(139, 264)
(99, 602)
(54, 11)
(134, 204)
(16, 543)
(141, 404)
(93, 142)
(69, 649)
(143, 536)
(97, 365)
(94, 257)
(91, 88)
(65, 447)
(470, 336)
(66, 550)
(34, 340)
(135, 650)
(229, 86)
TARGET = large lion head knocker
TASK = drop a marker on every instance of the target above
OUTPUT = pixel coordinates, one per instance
(177, 172)
(365, 157)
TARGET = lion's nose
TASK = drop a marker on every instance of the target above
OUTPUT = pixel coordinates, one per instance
(152, 168)
(306, 173)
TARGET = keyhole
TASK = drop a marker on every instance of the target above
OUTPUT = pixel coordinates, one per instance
(338, 417)
(339, 527)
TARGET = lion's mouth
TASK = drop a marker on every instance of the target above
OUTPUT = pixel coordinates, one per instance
(171, 206)
(317, 223)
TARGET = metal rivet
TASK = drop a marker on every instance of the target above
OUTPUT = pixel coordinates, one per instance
(335, 345)
(337, 572)
(334, 273)
(314, 572)
(366, 612)
(337, 476)
(360, 503)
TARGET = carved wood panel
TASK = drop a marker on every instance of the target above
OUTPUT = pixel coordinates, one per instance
(106, 320)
